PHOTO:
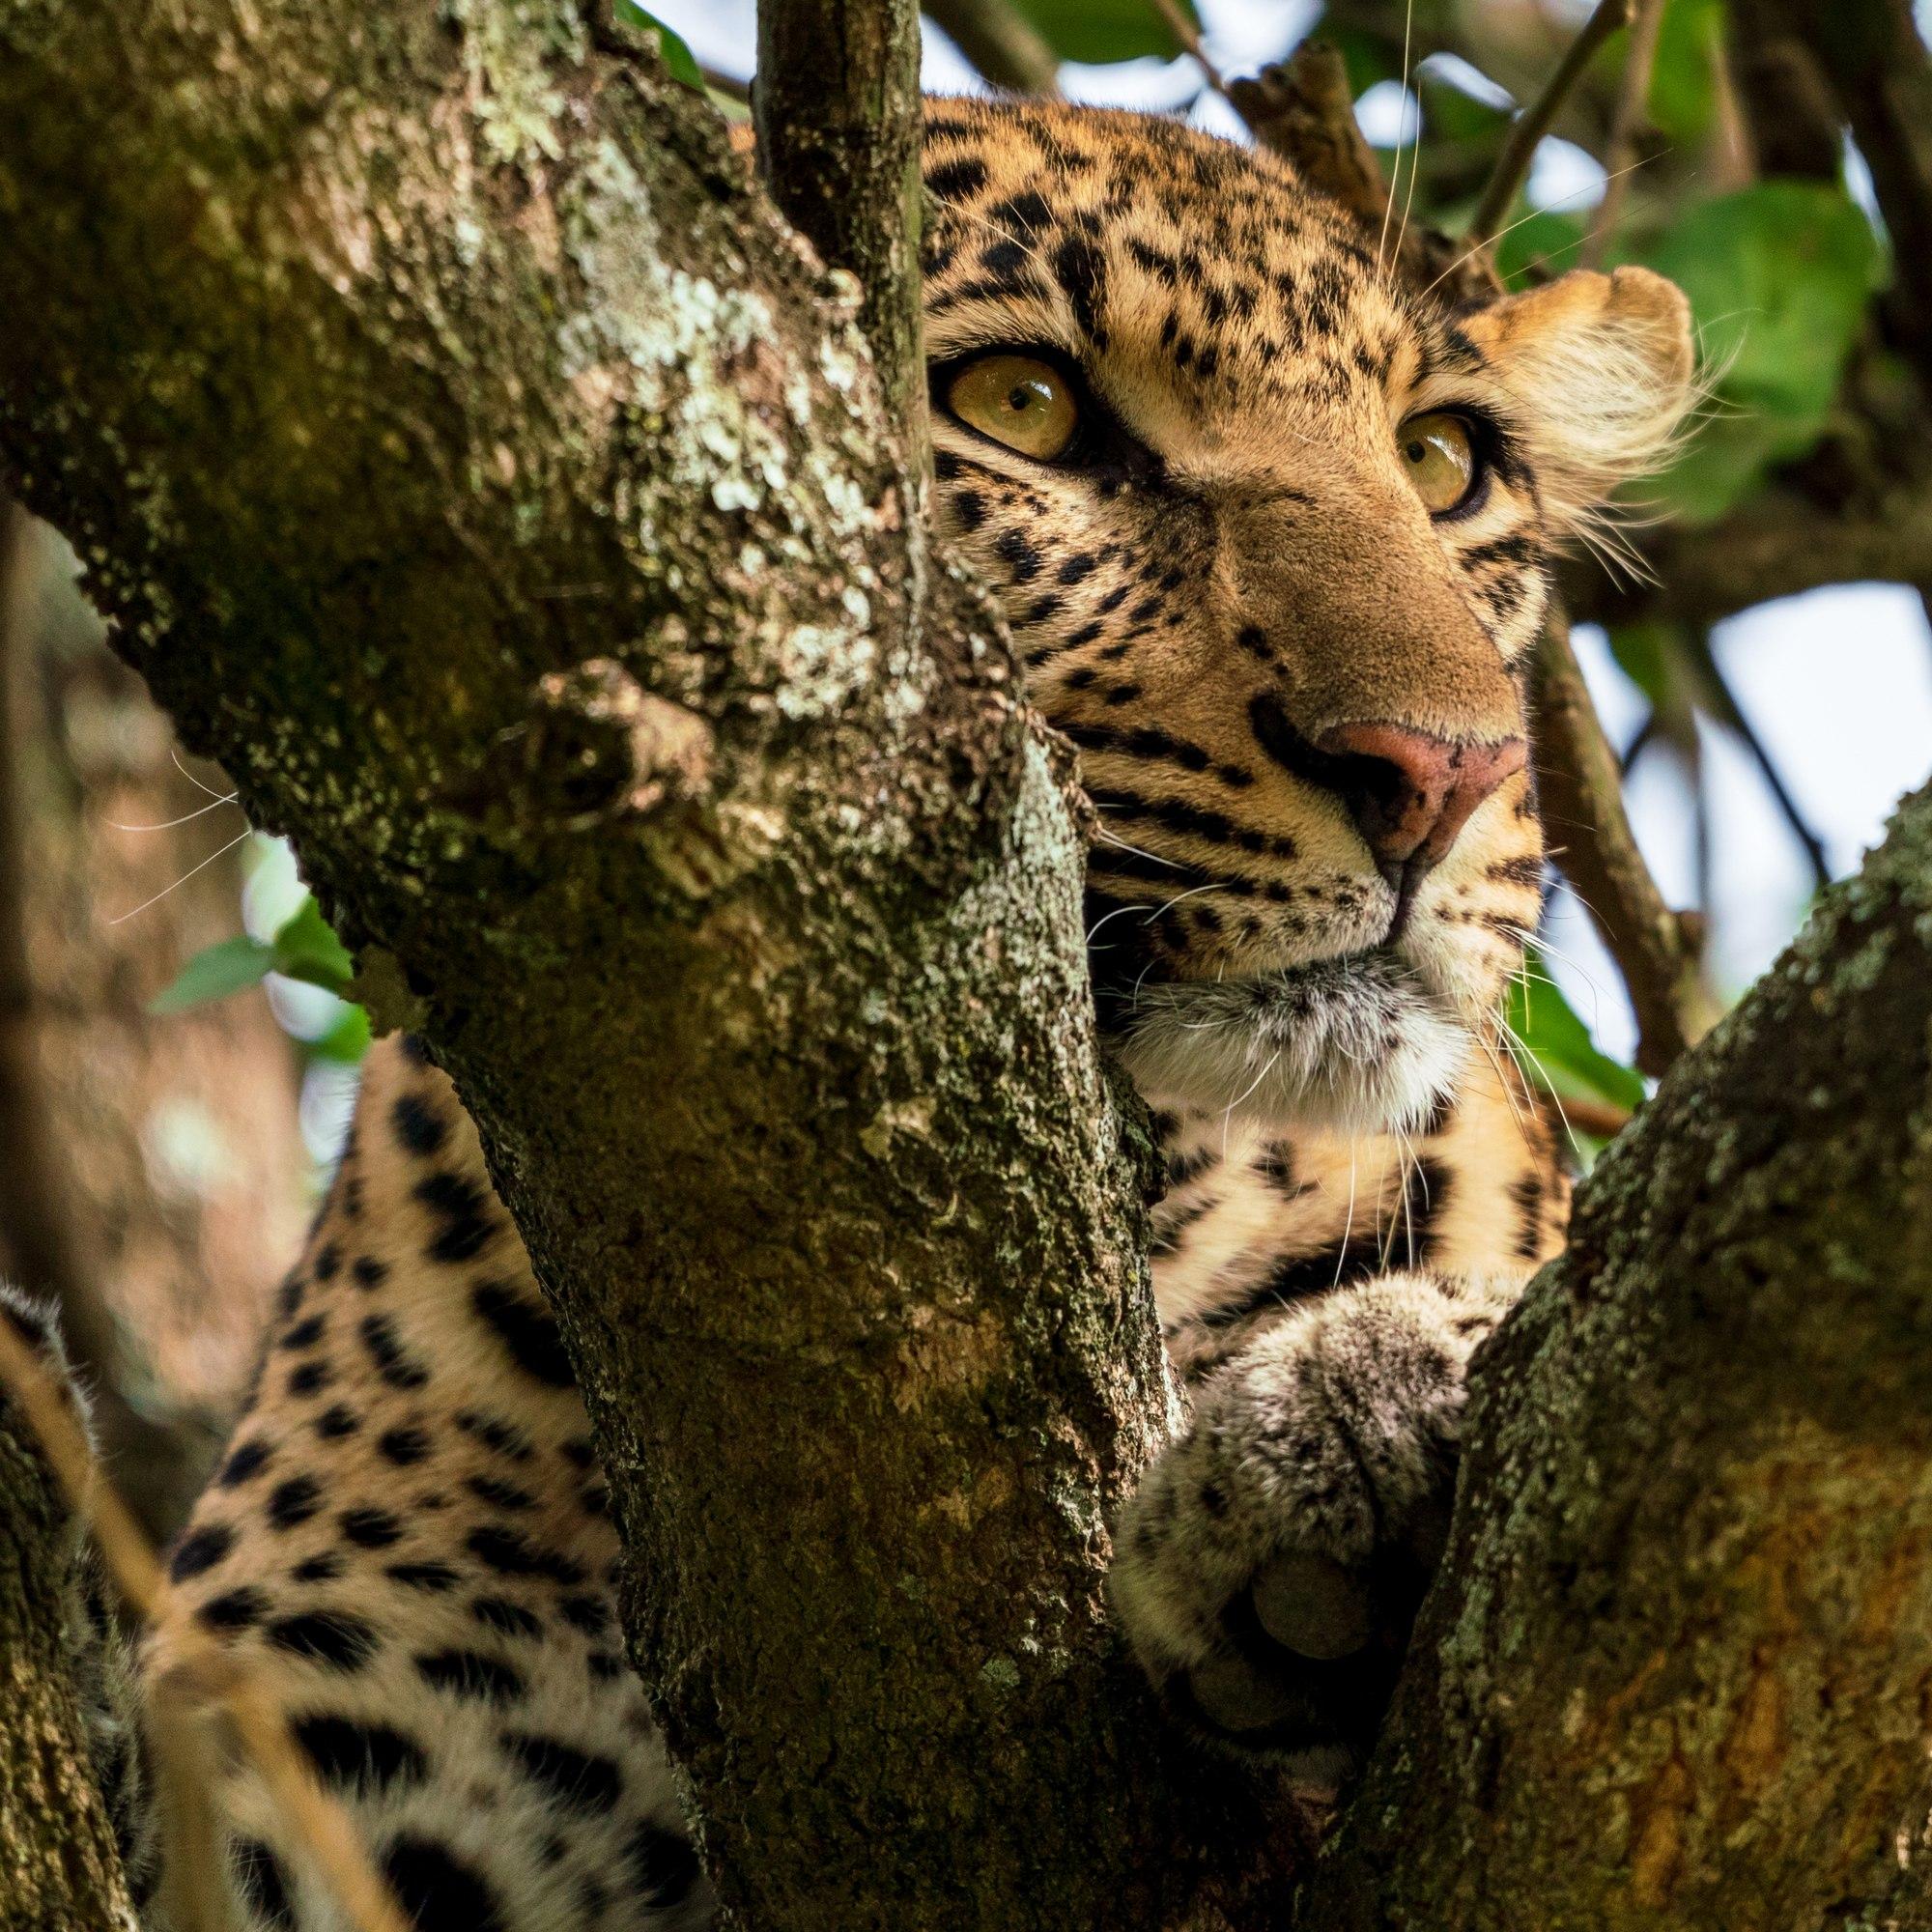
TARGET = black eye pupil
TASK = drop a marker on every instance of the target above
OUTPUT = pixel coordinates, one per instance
(1021, 399)
(1417, 451)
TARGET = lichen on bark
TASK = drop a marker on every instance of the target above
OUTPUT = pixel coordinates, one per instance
(431, 410)
(402, 458)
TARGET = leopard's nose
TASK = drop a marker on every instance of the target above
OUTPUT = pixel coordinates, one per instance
(1410, 792)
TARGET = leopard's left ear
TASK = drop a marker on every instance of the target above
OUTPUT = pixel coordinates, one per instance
(1603, 370)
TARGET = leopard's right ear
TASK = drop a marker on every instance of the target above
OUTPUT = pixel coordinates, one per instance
(1605, 371)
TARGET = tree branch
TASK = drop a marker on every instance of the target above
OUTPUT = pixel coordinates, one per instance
(1584, 808)
(1627, 118)
(836, 104)
(1776, 544)
(36, 1215)
(63, 1872)
(204, 1679)
(79, 1055)
(1673, 1673)
(1527, 130)
(1302, 110)
(1876, 61)
(1001, 43)
(1794, 124)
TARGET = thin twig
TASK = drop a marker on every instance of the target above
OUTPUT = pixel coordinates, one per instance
(1182, 26)
(204, 1679)
(1722, 704)
(1003, 47)
(1601, 1120)
(727, 84)
(1582, 796)
(1527, 130)
(1620, 154)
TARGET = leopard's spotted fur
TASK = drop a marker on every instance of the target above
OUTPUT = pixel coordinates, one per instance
(409, 1533)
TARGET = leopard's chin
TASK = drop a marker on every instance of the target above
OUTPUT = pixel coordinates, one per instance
(1358, 1044)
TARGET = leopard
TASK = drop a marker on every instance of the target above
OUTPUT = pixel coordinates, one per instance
(1276, 534)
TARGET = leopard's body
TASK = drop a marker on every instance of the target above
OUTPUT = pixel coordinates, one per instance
(1233, 603)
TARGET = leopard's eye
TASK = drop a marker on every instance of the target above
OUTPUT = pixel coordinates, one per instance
(1440, 460)
(1017, 399)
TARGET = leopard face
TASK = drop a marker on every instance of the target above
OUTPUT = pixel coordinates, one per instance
(1274, 537)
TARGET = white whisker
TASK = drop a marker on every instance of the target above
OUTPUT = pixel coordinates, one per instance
(169, 824)
(185, 877)
(190, 776)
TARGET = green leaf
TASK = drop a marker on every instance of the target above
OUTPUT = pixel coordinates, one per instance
(346, 1040)
(1779, 275)
(1683, 90)
(1642, 652)
(1559, 1053)
(213, 972)
(1095, 32)
(1450, 112)
(679, 61)
(1546, 239)
(305, 948)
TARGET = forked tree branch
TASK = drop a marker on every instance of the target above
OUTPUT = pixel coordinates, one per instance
(512, 507)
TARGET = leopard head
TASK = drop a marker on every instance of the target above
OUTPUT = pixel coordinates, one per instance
(1274, 536)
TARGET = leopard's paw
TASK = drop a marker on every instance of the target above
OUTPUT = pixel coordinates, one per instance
(1269, 1569)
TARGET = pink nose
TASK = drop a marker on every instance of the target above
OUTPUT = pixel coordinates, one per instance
(1410, 792)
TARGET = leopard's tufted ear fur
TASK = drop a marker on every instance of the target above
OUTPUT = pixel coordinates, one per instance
(1604, 371)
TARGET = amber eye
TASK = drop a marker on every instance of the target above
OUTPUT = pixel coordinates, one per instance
(1440, 460)
(1017, 399)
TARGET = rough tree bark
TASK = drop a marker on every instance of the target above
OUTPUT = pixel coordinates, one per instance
(480, 470)
(1676, 1671)
(59, 1871)
(475, 465)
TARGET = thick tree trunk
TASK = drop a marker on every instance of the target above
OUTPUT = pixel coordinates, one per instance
(478, 467)
(480, 470)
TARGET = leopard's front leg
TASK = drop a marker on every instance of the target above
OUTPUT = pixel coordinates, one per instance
(1269, 1566)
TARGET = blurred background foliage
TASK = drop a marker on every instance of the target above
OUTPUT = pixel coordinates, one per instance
(1761, 743)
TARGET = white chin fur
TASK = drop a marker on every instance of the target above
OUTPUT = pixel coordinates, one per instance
(1355, 1044)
